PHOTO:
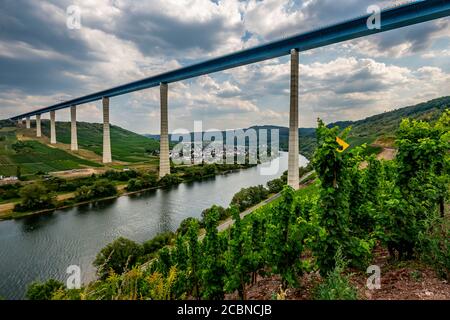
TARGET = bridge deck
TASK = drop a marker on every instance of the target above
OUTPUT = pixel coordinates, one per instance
(397, 17)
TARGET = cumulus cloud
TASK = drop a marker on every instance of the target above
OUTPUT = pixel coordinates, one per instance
(44, 62)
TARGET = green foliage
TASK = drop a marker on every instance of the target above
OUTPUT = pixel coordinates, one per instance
(223, 213)
(335, 170)
(434, 245)
(35, 197)
(238, 258)
(161, 240)
(422, 180)
(357, 200)
(275, 185)
(118, 256)
(120, 175)
(169, 181)
(248, 197)
(9, 191)
(185, 224)
(336, 285)
(194, 259)
(33, 157)
(145, 182)
(125, 145)
(212, 264)
(285, 239)
(44, 290)
(135, 284)
(100, 189)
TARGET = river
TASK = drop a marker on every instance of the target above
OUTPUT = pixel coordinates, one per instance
(42, 247)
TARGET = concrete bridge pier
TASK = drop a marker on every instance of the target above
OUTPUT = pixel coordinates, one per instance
(107, 157)
(38, 126)
(293, 157)
(73, 129)
(52, 128)
(164, 162)
(28, 122)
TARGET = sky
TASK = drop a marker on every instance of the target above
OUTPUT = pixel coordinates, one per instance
(43, 62)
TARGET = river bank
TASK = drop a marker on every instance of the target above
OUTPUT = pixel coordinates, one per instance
(43, 246)
(7, 209)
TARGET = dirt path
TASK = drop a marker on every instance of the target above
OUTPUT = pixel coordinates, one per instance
(408, 280)
(387, 154)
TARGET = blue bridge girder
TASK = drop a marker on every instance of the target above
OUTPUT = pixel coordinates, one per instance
(392, 18)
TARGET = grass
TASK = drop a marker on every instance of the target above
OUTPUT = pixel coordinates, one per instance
(126, 146)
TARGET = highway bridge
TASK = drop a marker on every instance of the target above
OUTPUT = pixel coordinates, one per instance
(392, 18)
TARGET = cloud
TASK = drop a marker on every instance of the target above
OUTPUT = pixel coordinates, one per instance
(43, 62)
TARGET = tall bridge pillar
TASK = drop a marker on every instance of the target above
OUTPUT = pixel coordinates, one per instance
(38, 126)
(107, 157)
(52, 128)
(293, 173)
(28, 122)
(73, 129)
(164, 162)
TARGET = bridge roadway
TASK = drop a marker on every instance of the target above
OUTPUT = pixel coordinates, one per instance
(391, 18)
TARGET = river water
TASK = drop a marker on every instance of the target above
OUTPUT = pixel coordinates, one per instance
(44, 246)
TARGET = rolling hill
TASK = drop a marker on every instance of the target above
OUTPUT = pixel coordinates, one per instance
(126, 146)
(33, 157)
(19, 148)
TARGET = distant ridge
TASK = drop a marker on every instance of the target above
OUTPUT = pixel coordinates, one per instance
(367, 130)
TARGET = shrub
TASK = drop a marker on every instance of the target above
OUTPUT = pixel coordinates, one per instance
(118, 256)
(34, 197)
(275, 185)
(100, 189)
(248, 197)
(434, 245)
(185, 224)
(44, 290)
(120, 175)
(336, 285)
(145, 182)
(10, 191)
(169, 180)
(158, 242)
(222, 213)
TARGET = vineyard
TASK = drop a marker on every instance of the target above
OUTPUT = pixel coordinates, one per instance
(126, 146)
(334, 225)
(32, 156)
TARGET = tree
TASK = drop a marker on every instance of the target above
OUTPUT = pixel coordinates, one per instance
(118, 256)
(248, 197)
(222, 213)
(169, 180)
(44, 290)
(34, 197)
(275, 185)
